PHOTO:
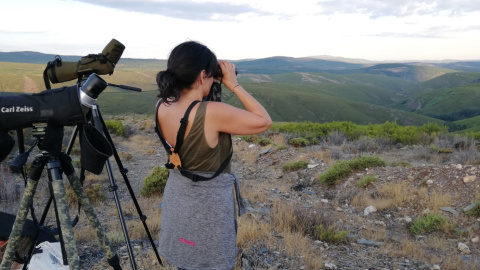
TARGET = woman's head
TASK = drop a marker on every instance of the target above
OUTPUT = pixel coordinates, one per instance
(185, 63)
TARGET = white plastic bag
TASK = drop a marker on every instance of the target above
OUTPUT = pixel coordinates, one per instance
(49, 259)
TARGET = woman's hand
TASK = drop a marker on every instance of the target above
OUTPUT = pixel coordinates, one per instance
(229, 77)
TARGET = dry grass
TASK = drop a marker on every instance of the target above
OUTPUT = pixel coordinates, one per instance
(411, 249)
(250, 230)
(323, 155)
(278, 140)
(299, 245)
(456, 262)
(375, 233)
(249, 157)
(403, 194)
(255, 195)
(84, 235)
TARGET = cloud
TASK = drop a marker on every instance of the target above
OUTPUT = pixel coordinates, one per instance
(21, 32)
(399, 8)
(198, 11)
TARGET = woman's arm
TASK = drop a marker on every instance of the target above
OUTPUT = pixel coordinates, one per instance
(229, 119)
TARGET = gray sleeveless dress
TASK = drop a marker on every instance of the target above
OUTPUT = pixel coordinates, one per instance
(198, 226)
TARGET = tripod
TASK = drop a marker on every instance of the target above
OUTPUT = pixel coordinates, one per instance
(56, 163)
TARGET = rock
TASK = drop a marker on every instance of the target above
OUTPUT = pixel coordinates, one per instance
(450, 209)
(463, 248)
(265, 151)
(368, 242)
(311, 166)
(429, 182)
(470, 207)
(370, 209)
(475, 240)
(330, 266)
(298, 187)
(469, 178)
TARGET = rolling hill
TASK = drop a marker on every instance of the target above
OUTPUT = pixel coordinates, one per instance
(297, 89)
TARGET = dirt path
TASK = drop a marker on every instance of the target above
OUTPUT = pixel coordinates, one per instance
(29, 86)
(145, 75)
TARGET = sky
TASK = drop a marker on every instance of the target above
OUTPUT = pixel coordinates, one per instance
(377, 30)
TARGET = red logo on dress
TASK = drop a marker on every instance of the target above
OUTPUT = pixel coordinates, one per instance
(186, 242)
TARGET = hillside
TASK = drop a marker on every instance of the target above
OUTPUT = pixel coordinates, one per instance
(293, 89)
(364, 226)
(449, 104)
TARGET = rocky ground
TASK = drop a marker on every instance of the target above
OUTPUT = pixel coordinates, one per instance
(415, 182)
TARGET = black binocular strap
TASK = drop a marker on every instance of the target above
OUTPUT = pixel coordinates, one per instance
(183, 127)
(181, 130)
(180, 135)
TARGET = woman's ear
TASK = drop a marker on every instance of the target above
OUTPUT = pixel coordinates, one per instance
(202, 76)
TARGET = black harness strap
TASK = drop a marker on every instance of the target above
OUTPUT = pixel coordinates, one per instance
(180, 135)
(183, 126)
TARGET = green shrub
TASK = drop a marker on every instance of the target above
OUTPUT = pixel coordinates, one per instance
(337, 171)
(342, 169)
(256, 139)
(115, 127)
(367, 180)
(294, 166)
(428, 223)
(299, 142)
(330, 235)
(263, 141)
(154, 183)
(281, 147)
(366, 162)
(249, 138)
(390, 131)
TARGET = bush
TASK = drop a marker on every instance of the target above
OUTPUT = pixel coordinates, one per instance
(294, 166)
(367, 180)
(154, 183)
(366, 162)
(95, 194)
(342, 169)
(115, 127)
(338, 132)
(330, 235)
(299, 142)
(428, 223)
(256, 139)
(263, 141)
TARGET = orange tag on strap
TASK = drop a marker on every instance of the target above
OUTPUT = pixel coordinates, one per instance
(175, 159)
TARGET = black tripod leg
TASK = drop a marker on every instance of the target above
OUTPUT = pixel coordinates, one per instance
(100, 126)
(124, 171)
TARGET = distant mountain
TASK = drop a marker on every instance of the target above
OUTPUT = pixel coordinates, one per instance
(280, 64)
(409, 72)
(33, 57)
(318, 89)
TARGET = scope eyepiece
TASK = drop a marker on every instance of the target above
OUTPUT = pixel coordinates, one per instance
(91, 89)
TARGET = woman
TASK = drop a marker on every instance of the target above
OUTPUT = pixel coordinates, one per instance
(198, 227)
